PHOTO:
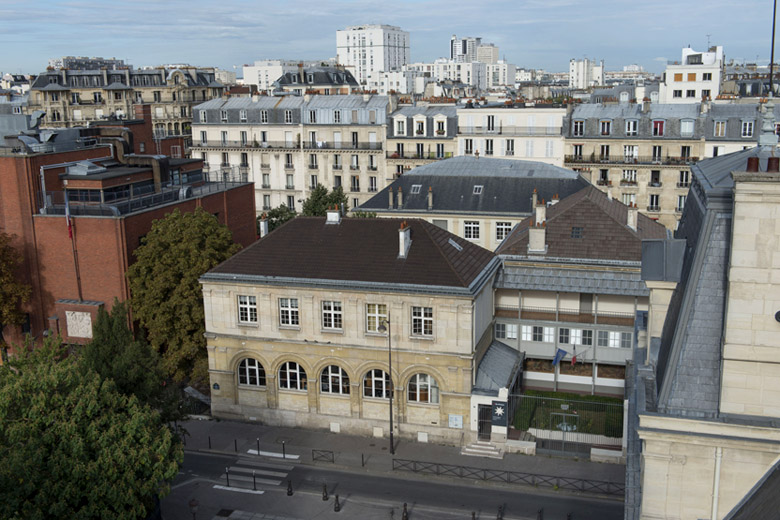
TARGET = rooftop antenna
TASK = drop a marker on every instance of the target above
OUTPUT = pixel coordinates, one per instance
(708, 42)
(772, 54)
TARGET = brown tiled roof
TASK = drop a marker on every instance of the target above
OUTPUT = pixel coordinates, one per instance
(605, 235)
(359, 250)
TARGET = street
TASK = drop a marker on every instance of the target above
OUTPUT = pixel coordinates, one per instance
(361, 495)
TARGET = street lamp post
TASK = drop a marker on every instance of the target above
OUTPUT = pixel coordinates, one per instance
(386, 328)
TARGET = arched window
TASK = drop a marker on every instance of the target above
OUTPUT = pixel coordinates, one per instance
(334, 380)
(251, 372)
(376, 384)
(292, 376)
(423, 389)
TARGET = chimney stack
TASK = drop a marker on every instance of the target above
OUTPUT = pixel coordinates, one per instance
(390, 197)
(632, 216)
(554, 200)
(609, 192)
(752, 165)
(333, 215)
(430, 198)
(263, 225)
(533, 200)
(536, 238)
(404, 240)
(773, 165)
(541, 213)
(400, 198)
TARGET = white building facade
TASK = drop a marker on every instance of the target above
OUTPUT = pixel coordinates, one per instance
(264, 72)
(585, 73)
(464, 50)
(371, 49)
(697, 76)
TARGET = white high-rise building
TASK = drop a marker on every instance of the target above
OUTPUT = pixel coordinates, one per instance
(697, 76)
(487, 53)
(585, 73)
(264, 72)
(464, 50)
(371, 49)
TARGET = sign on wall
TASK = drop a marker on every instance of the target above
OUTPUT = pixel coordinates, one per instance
(499, 413)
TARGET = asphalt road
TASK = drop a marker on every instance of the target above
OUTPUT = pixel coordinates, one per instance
(363, 495)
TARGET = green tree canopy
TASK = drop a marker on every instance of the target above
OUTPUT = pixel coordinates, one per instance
(72, 446)
(13, 293)
(276, 217)
(166, 297)
(320, 200)
(136, 369)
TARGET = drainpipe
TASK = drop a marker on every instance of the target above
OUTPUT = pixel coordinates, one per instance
(716, 483)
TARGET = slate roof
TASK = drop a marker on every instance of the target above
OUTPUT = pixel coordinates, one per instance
(588, 281)
(507, 186)
(319, 76)
(602, 223)
(496, 368)
(763, 500)
(361, 252)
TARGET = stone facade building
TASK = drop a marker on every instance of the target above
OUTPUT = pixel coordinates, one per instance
(419, 135)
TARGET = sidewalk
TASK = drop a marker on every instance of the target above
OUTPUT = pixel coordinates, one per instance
(372, 455)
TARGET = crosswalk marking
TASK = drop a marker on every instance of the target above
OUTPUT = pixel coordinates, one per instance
(240, 474)
(290, 456)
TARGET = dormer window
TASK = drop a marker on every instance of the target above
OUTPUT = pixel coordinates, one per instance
(400, 127)
(337, 116)
(415, 189)
(312, 116)
(477, 190)
(658, 128)
(631, 127)
(242, 116)
(310, 78)
(223, 115)
(606, 127)
(203, 117)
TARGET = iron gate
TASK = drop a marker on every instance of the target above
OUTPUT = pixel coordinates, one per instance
(484, 423)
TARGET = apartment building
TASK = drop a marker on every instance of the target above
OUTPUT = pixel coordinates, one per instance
(288, 145)
(464, 50)
(523, 131)
(472, 73)
(263, 73)
(487, 53)
(697, 76)
(571, 282)
(642, 153)
(586, 73)
(419, 135)
(327, 81)
(302, 331)
(478, 198)
(371, 49)
(73, 97)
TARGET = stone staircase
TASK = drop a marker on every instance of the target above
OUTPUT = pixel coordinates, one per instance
(482, 449)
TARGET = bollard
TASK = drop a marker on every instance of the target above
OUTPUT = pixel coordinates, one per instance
(362, 461)
(289, 488)
(258, 446)
(227, 476)
(235, 444)
(405, 514)
(284, 454)
(336, 505)
(209, 441)
(568, 516)
(540, 514)
(324, 492)
(254, 482)
(500, 514)
(473, 515)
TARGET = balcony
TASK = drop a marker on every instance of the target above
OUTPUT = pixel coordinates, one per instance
(628, 182)
(567, 316)
(654, 184)
(683, 184)
(510, 130)
(414, 155)
(654, 208)
(678, 209)
(509, 152)
(289, 166)
(354, 188)
(372, 189)
(218, 143)
(313, 166)
(265, 186)
(372, 168)
(289, 186)
(243, 168)
(337, 167)
(622, 159)
(604, 182)
(354, 167)
(323, 145)
(265, 166)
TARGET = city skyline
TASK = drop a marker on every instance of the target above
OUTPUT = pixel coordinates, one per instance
(236, 32)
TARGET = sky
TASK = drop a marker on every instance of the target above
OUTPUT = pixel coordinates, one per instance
(229, 33)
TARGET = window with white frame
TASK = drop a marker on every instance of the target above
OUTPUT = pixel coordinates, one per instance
(502, 230)
(415, 189)
(719, 129)
(292, 376)
(587, 337)
(337, 116)
(625, 340)
(477, 189)
(288, 116)
(602, 338)
(563, 335)
(203, 116)
(331, 315)
(312, 116)
(629, 176)
(506, 330)
(242, 115)
(264, 116)
(606, 127)
(422, 388)
(376, 314)
(510, 147)
(251, 373)
(747, 128)
(658, 128)
(400, 127)
(629, 199)
(575, 336)
(288, 312)
(686, 127)
(549, 148)
(471, 229)
(631, 127)
(376, 383)
(422, 321)
(334, 380)
(578, 128)
(247, 309)
(680, 203)
(488, 147)
(223, 115)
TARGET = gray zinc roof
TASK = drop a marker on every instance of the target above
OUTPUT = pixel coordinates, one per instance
(496, 368)
(571, 280)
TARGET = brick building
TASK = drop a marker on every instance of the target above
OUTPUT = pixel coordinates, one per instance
(114, 194)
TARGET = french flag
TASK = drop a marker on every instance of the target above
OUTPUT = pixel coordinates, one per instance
(67, 217)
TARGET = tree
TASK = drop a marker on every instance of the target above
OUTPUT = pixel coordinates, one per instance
(320, 200)
(116, 354)
(165, 294)
(277, 216)
(72, 446)
(13, 293)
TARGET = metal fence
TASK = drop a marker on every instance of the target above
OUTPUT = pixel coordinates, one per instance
(511, 477)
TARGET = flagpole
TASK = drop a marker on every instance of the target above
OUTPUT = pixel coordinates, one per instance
(72, 233)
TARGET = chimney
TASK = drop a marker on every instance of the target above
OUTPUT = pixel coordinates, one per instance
(263, 225)
(333, 215)
(400, 198)
(554, 200)
(533, 200)
(404, 240)
(300, 72)
(705, 107)
(536, 238)
(752, 165)
(609, 192)
(390, 197)
(541, 213)
(366, 97)
(633, 213)
(645, 106)
(773, 165)
(430, 198)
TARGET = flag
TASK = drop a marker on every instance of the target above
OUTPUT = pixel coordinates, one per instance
(574, 356)
(67, 217)
(560, 354)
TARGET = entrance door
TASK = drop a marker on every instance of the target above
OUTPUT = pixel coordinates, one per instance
(484, 422)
